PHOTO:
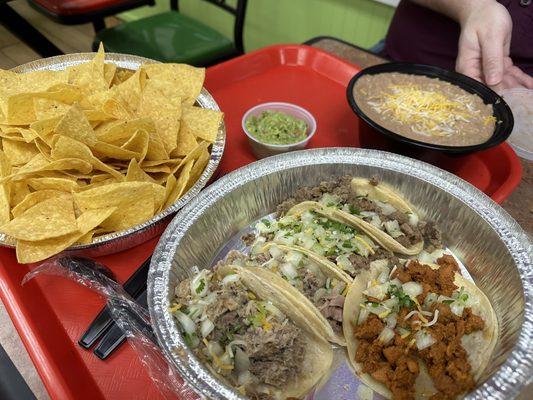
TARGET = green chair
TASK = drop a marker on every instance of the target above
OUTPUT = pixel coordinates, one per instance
(174, 37)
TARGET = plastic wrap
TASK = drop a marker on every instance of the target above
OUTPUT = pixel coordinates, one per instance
(133, 319)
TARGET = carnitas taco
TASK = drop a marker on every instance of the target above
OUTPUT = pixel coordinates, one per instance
(418, 331)
(370, 206)
(339, 244)
(305, 280)
(247, 336)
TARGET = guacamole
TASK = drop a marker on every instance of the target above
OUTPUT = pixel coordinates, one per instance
(274, 127)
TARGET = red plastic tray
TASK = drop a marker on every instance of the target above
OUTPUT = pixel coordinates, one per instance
(50, 313)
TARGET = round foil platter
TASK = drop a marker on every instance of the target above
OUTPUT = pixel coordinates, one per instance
(497, 253)
(119, 241)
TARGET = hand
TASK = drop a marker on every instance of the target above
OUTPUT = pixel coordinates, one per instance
(484, 44)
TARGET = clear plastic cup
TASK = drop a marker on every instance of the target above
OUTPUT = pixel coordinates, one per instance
(262, 150)
(521, 103)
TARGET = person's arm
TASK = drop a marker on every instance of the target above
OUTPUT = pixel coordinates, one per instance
(485, 41)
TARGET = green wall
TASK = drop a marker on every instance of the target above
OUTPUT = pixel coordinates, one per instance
(362, 22)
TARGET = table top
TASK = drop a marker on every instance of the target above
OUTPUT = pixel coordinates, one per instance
(519, 205)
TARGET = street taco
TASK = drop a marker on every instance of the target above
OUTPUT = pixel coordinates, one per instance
(247, 336)
(370, 206)
(417, 330)
(307, 281)
(336, 243)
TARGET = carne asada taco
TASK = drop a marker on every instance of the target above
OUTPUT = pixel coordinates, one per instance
(306, 280)
(372, 207)
(418, 330)
(241, 331)
(346, 247)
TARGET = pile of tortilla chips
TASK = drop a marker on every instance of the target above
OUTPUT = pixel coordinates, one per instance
(94, 149)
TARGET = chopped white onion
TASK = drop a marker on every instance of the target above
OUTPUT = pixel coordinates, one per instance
(413, 219)
(307, 241)
(199, 284)
(386, 208)
(307, 217)
(396, 282)
(288, 270)
(275, 252)
(286, 240)
(244, 377)
(328, 199)
(262, 228)
(186, 323)
(457, 308)
(344, 262)
(229, 346)
(412, 289)
(274, 310)
(424, 340)
(393, 228)
(386, 335)
(430, 299)
(391, 303)
(257, 247)
(363, 315)
(206, 327)
(230, 279)
(383, 277)
(215, 348)
(294, 257)
(377, 291)
(425, 258)
(367, 213)
(376, 221)
(195, 311)
(391, 320)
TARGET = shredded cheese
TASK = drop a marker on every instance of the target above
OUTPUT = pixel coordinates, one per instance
(428, 112)
(174, 308)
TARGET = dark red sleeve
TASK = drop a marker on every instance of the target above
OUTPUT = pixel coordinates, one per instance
(417, 34)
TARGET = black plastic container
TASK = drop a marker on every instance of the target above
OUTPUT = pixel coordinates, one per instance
(387, 140)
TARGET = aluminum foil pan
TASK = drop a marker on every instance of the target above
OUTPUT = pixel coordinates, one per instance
(118, 241)
(497, 252)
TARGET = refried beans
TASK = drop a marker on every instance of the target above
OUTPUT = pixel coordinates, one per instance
(425, 109)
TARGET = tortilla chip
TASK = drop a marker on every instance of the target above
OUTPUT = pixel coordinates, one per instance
(135, 202)
(43, 183)
(186, 143)
(47, 108)
(48, 219)
(5, 170)
(129, 92)
(103, 149)
(179, 187)
(37, 197)
(65, 146)
(138, 143)
(30, 252)
(19, 153)
(156, 148)
(201, 123)
(136, 174)
(177, 80)
(120, 132)
(74, 124)
(198, 168)
(19, 191)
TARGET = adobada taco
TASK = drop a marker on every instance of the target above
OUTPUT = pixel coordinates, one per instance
(418, 330)
(339, 243)
(370, 206)
(253, 341)
(306, 280)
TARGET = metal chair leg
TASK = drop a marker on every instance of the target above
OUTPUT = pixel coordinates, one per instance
(98, 25)
(27, 33)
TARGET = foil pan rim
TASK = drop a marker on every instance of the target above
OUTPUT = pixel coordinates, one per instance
(506, 382)
(205, 100)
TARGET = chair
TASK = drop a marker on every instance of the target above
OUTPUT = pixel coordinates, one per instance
(73, 12)
(174, 37)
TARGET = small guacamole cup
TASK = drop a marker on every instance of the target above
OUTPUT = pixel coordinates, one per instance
(274, 128)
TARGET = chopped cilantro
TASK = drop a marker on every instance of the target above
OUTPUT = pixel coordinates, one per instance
(266, 222)
(372, 303)
(353, 210)
(201, 286)
(464, 297)
(331, 251)
(331, 204)
(448, 301)
(347, 244)
(403, 299)
(189, 339)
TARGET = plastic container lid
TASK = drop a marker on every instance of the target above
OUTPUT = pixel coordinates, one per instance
(521, 103)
